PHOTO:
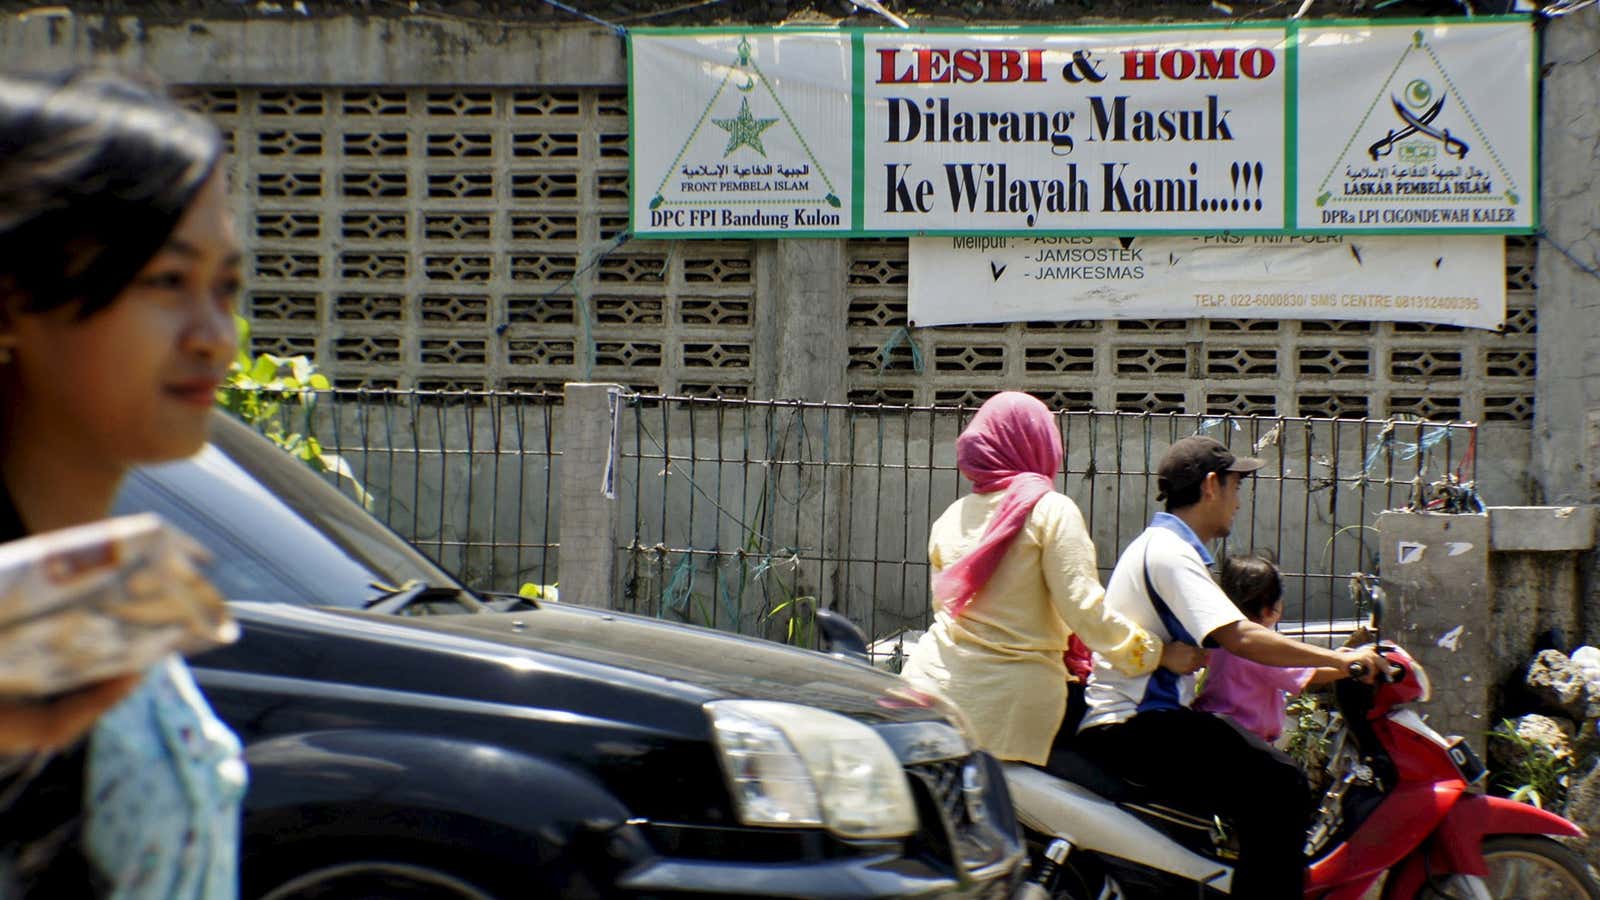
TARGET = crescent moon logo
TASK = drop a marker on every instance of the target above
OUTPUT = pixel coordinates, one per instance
(749, 84)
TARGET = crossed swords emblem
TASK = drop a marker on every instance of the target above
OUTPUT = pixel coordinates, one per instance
(1416, 124)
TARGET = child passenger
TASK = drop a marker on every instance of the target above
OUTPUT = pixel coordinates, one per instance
(1249, 693)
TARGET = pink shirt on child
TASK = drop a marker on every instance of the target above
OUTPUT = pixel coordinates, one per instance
(1249, 693)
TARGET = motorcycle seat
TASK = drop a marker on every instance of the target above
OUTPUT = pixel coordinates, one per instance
(1070, 765)
(1192, 828)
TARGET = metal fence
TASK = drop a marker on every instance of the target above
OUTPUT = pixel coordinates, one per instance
(746, 515)
(466, 476)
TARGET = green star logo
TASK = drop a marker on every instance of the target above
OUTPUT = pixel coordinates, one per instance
(744, 130)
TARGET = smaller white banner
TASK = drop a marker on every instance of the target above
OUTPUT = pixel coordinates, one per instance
(1455, 280)
(1411, 128)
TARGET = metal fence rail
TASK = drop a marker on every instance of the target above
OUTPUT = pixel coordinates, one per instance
(465, 476)
(745, 515)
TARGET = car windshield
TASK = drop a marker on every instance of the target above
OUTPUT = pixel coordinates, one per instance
(275, 529)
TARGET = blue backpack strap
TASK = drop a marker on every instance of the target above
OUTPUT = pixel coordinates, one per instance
(1161, 691)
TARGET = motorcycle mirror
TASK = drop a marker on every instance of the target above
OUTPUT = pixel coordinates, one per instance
(1366, 591)
(1378, 607)
(840, 635)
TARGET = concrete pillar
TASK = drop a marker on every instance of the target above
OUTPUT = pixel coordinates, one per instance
(589, 461)
(1566, 449)
(1436, 574)
(1566, 438)
(802, 349)
(1470, 595)
(1538, 558)
(800, 324)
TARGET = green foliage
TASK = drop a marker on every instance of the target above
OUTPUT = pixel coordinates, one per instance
(1531, 771)
(268, 392)
(754, 573)
(756, 586)
(896, 663)
(800, 625)
(1307, 735)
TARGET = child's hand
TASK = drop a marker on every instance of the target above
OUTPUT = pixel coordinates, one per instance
(1182, 659)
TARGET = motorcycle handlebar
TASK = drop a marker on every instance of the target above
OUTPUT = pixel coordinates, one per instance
(1359, 670)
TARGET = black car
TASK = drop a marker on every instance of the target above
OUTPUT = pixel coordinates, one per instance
(406, 738)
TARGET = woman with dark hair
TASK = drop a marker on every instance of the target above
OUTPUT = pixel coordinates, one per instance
(119, 272)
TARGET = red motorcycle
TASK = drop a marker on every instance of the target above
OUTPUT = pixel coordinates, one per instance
(1400, 802)
(1398, 819)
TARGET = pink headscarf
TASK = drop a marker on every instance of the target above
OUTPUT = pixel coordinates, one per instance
(1011, 445)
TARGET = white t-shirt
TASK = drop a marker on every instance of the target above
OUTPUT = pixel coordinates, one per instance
(1194, 607)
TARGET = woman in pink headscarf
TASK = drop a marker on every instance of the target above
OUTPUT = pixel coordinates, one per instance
(1014, 578)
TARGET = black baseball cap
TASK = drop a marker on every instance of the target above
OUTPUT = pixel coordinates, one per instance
(1190, 460)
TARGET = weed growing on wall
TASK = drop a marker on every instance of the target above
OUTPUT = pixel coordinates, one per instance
(277, 396)
(1531, 771)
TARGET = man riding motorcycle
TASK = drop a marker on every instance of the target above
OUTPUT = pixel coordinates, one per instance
(1140, 727)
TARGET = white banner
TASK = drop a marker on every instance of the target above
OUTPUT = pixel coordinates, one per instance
(1393, 127)
(1458, 281)
(741, 133)
(1123, 131)
(1430, 128)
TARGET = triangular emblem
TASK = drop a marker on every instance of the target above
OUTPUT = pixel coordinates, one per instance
(1418, 123)
(738, 129)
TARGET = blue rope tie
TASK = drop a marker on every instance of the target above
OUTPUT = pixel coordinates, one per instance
(902, 335)
(621, 32)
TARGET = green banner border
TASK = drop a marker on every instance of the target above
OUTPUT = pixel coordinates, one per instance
(1291, 31)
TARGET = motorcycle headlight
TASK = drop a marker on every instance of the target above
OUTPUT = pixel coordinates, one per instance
(791, 765)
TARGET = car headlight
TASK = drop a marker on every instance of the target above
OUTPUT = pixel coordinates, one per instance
(790, 765)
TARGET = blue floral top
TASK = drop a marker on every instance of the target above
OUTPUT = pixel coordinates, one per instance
(165, 780)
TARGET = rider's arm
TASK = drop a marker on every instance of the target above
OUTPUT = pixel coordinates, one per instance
(1203, 609)
(1068, 559)
(1250, 641)
(1323, 676)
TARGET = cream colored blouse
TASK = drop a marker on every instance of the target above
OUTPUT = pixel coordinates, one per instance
(1000, 662)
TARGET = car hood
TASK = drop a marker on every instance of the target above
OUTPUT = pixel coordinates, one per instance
(699, 659)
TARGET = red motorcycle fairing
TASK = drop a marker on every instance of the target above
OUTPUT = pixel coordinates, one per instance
(1401, 823)
(1457, 845)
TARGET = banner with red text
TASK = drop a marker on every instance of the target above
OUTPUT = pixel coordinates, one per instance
(1109, 131)
(1399, 127)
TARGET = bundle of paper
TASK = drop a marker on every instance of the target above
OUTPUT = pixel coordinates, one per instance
(83, 604)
